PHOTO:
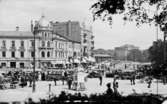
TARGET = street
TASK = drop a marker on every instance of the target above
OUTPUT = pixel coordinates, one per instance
(92, 86)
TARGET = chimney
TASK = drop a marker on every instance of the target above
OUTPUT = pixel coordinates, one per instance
(17, 28)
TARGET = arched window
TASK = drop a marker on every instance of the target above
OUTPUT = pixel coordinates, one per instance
(43, 54)
(48, 43)
(48, 54)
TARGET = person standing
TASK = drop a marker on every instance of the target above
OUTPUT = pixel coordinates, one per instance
(133, 79)
(63, 77)
(149, 82)
(109, 90)
(30, 80)
(69, 82)
(115, 86)
(101, 80)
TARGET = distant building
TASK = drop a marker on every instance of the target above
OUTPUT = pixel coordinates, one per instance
(102, 57)
(121, 52)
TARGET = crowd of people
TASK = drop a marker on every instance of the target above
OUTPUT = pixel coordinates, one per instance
(68, 78)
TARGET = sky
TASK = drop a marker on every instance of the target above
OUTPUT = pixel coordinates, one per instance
(20, 12)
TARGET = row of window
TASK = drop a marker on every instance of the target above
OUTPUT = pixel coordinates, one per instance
(12, 43)
(60, 54)
(57, 54)
(12, 54)
(43, 44)
(60, 45)
(13, 65)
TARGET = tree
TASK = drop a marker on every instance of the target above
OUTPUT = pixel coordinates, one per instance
(156, 55)
(135, 55)
(140, 11)
(145, 56)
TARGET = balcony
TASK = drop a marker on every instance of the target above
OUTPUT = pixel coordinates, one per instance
(21, 48)
(92, 47)
(3, 48)
(13, 48)
(31, 49)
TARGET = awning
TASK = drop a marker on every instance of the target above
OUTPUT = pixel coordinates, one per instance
(76, 61)
(57, 62)
(84, 60)
(91, 59)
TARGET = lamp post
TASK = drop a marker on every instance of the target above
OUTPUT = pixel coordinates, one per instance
(33, 86)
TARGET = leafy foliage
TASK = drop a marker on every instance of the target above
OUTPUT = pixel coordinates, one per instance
(140, 11)
(156, 55)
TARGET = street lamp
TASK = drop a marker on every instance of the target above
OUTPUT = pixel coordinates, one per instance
(34, 33)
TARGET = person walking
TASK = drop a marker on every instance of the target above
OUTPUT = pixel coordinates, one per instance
(149, 82)
(133, 79)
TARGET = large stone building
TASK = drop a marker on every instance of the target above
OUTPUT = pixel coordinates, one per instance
(121, 52)
(71, 29)
(51, 48)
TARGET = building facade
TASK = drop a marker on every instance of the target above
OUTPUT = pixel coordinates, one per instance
(87, 40)
(78, 33)
(122, 52)
(51, 48)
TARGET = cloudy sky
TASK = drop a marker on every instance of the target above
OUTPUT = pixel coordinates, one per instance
(20, 12)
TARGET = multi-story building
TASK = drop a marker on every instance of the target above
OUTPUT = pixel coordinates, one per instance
(77, 33)
(87, 40)
(121, 52)
(71, 31)
(51, 48)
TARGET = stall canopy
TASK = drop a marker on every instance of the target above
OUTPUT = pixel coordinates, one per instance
(76, 61)
(84, 60)
(91, 59)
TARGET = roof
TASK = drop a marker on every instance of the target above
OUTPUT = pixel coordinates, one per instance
(16, 34)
